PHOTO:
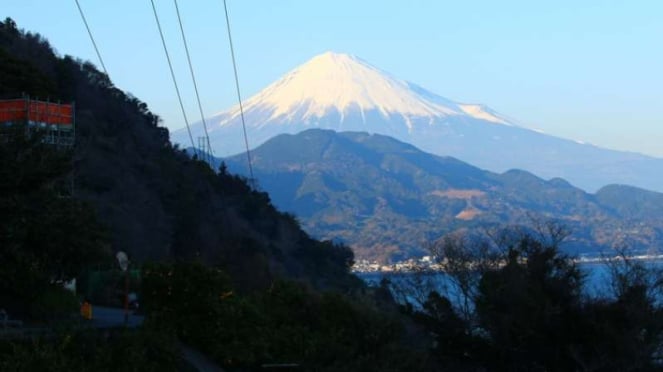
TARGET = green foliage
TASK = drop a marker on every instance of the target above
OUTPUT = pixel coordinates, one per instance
(16, 77)
(530, 306)
(55, 304)
(106, 287)
(45, 238)
(287, 323)
(121, 350)
(530, 311)
(453, 343)
(625, 331)
(183, 297)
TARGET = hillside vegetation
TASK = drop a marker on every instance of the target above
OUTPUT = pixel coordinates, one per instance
(226, 273)
(155, 201)
(182, 223)
(388, 199)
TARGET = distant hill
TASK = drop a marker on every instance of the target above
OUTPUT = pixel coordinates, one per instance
(158, 203)
(345, 93)
(387, 199)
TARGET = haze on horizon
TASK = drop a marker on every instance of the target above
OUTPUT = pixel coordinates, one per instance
(588, 72)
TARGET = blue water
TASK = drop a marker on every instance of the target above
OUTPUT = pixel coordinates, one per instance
(597, 280)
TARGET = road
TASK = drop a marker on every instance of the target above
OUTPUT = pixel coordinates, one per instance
(109, 317)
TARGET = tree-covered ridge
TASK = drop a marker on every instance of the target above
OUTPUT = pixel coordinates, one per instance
(387, 198)
(156, 201)
(125, 187)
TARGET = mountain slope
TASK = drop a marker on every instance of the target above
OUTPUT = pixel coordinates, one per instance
(344, 93)
(387, 199)
(158, 203)
(346, 84)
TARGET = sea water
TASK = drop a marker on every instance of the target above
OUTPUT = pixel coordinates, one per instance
(597, 281)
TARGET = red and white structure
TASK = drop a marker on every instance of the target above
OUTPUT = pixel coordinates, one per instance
(55, 120)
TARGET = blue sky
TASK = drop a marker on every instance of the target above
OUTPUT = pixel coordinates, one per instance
(586, 70)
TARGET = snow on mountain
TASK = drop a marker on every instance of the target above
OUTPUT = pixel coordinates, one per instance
(344, 93)
(335, 91)
(344, 83)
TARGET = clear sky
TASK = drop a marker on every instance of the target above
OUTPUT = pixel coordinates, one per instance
(588, 70)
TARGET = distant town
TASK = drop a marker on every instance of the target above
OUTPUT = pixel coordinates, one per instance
(430, 263)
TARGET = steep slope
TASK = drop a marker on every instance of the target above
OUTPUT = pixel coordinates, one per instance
(156, 202)
(344, 93)
(387, 199)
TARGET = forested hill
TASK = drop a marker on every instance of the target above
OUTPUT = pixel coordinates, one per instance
(157, 202)
(388, 199)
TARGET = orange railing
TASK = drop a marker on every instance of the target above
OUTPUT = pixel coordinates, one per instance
(21, 110)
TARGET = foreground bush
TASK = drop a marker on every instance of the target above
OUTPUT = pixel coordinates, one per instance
(119, 350)
(287, 323)
(525, 308)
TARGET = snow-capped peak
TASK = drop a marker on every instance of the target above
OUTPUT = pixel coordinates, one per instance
(340, 82)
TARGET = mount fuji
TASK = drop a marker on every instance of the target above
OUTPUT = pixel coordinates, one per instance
(344, 93)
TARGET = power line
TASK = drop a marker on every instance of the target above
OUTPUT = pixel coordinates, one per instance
(193, 76)
(239, 96)
(89, 32)
(172, 74)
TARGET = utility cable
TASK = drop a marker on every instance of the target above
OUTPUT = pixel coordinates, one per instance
(92, 127)
(172, 74)
(239, 96)
(193, 77)
(89, 32)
